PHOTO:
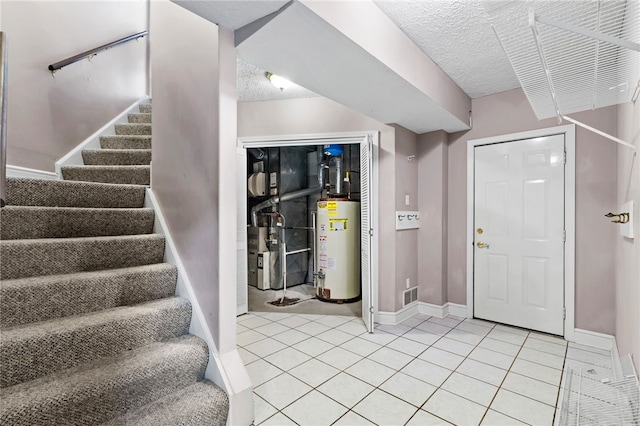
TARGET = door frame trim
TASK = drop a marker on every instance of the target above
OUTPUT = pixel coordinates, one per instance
(244, 143)
(569, 213)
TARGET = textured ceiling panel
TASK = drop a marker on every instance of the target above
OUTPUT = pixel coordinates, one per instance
(232, 14)
(253, 85)
(457, 36)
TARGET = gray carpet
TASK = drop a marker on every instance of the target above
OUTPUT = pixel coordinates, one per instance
(90, 328)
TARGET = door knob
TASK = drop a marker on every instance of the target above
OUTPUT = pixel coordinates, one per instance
(480, 244)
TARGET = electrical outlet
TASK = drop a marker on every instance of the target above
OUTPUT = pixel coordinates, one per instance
(408, 282)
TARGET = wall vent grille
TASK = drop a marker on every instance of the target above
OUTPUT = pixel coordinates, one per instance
(410, 296)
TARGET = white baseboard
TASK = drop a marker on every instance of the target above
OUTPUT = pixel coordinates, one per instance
(23, 172)
(74, 157)
(225, 370)
(456, 309)
(440, 311)
(394, 318)
(591, 338)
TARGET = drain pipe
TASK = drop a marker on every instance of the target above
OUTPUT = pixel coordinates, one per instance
(278, 199)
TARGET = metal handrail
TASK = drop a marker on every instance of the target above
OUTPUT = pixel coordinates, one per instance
(3, 119)
(91, 53)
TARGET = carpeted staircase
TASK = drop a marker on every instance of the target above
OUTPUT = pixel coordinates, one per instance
(91, 329)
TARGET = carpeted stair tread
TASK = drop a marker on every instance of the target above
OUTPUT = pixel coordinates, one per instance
(34, 299)
(202, 403)
(139, 118)
(134, 175)
(125, 142)
(133, 129)
(145, 108)
(28, 222)
(34, 350)
(99, 391)
(55, 256)
(113, 157)
(51, 193)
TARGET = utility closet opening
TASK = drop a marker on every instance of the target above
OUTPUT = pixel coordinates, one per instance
(303, 223)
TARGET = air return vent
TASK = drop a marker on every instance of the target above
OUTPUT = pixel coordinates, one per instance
(410, 296)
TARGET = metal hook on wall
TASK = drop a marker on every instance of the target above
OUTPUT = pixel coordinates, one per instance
(622, 217)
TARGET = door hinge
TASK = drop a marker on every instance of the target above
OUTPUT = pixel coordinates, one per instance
(564, 236)
(371, 232)
(564, 313)
(565, 157)
(370, 309)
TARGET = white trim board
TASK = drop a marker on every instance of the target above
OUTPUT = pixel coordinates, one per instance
(24, 172)
(225, 370)
(569, 214)
(74, 157)
(337, 138)
(593, 339)
(439, 311)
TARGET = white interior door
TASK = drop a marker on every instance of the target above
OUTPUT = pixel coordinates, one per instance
(366, 167)
(241, 237)
(519, 233)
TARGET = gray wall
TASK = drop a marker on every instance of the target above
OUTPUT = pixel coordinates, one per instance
(509, 112)
(432, 194)
(628, 250)
(48, 116)
(189, 84)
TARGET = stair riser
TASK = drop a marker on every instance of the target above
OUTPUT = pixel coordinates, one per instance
(108, 393)
(50, 193)
(31, 300)
(33, 258)
(129, 157)
(133, 175)
(27, 353)
(139, 118)
(133, 129)
(145, 108)
(125, 142)
(32, 223)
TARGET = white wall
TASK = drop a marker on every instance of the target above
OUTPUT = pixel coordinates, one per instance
(48, 116)
(627, 282)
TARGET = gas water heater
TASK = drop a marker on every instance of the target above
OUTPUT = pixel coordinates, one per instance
(338, 249)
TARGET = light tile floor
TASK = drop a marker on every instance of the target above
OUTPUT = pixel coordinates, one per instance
(327, 370)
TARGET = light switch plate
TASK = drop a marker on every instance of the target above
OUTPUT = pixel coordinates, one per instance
(626, 229)
(407, 220)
